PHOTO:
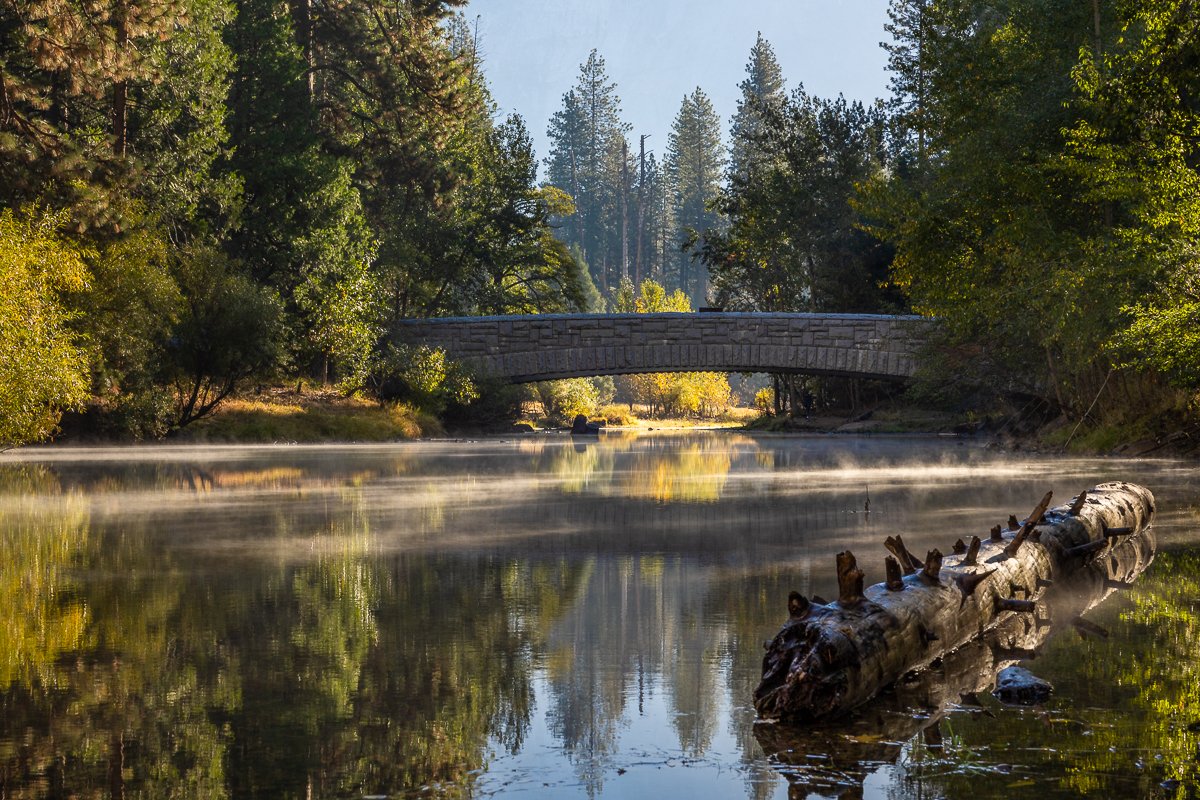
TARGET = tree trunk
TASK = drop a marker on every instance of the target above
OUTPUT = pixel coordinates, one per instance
(828, 659)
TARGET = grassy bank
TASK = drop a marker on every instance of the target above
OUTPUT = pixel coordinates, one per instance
(284, 416)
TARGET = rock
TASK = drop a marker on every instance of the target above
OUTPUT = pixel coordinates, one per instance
(522, 427)
(581, 427)
(1019, 686)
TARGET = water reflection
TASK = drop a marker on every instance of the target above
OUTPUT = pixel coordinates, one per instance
(472, 619)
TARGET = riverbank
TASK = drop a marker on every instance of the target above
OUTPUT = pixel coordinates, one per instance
(1150, 435)
(313, 417)
(320, 416)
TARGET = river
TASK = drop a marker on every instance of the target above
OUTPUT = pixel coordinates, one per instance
(541, 617)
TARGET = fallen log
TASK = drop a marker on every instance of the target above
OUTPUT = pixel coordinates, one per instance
(878, 733)
(829, 658)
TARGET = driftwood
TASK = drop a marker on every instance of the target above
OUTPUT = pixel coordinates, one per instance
(877, 733)
(830, 658)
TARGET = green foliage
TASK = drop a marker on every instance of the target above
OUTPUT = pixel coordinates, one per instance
(423, 377)
(1046, 182)
(1166, 340)
(42, 367)
(263, 187)
(126, 316)
(695, 164)
(794, 240)
(562, 400)
(227, 332)
(587, 160)
(1134, 149)
(762, 88)
(178, 127)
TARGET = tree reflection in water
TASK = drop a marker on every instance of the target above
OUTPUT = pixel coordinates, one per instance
(334, 623)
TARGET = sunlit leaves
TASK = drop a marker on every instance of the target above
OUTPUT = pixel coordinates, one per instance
(42, 367)
(688, 393)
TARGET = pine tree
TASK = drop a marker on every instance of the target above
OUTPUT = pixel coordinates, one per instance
(567, 132)
(794, 240)
(763, 87)
(695, 159)
(67, 73)
(586, 136)
(303, 228)
(908, 62)
(178, 127)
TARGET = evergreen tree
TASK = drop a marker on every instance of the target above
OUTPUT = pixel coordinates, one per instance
(695, 159)
(909, 80)
(303, 228)
(763, 86)
(178, 127)
(567, 133)
(656, 198)
(67, 72)
(587, 138)
(998, 232)
(794, 240)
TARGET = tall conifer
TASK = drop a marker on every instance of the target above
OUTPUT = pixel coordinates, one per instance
(764, 85)
(695, 160)
(585, 159)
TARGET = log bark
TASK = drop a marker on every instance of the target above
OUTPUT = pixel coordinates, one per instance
(876, 733)
(840, 655)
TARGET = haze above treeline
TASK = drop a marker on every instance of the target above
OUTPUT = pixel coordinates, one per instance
(200, 196)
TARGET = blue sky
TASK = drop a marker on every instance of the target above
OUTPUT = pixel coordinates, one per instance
(659, 50)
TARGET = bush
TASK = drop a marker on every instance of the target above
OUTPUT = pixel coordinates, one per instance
(764, 400)
(616, 415)
(427, 379)
(43, 371)
(562, 400)
(227, 333)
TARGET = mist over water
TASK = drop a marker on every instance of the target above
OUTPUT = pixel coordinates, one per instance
(538, 617)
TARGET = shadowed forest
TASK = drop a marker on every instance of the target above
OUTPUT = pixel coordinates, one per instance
(200, 198)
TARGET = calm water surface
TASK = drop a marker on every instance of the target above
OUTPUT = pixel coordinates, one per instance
(542, 618)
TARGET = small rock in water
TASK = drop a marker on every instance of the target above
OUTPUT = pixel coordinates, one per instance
(1019, 686)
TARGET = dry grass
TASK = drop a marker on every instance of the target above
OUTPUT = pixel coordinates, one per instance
(282, 416)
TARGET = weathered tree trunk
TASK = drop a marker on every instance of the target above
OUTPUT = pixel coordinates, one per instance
(877, 733)
(828, 659)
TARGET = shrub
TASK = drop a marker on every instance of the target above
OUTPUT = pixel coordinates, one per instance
(43, 371)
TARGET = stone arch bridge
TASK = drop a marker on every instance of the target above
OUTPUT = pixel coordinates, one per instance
(552, 346)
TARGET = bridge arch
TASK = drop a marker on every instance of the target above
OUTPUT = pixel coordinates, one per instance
(521, 349)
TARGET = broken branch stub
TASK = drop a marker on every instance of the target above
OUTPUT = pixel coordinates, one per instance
(932, 569)
(972, 557)
(1077, 506)
(850, 579)
(895, 578)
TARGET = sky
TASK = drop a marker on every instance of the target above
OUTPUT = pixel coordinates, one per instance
(657, 51)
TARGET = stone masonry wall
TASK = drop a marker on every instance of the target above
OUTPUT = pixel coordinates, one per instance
(530, 348)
